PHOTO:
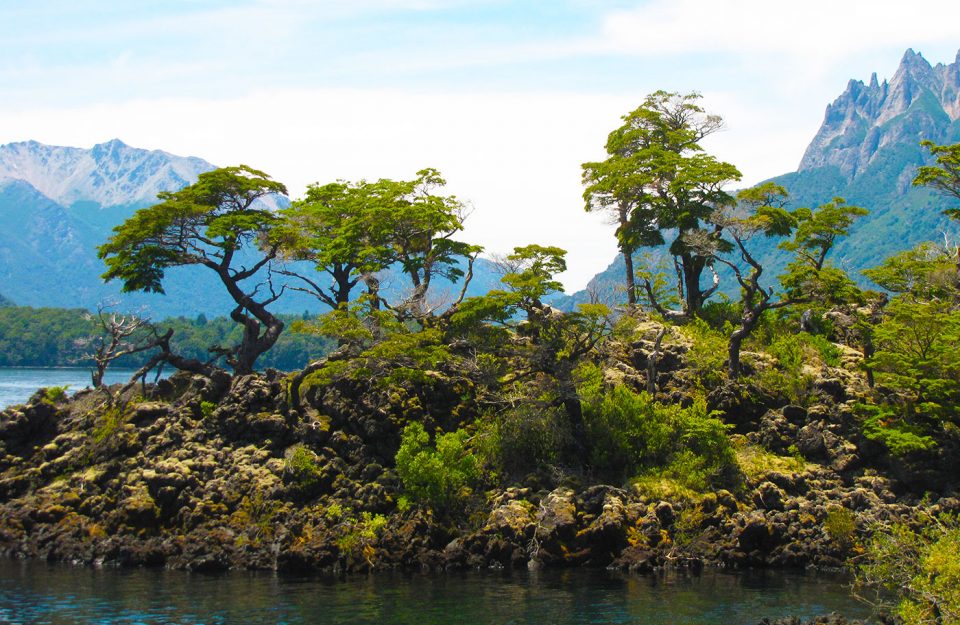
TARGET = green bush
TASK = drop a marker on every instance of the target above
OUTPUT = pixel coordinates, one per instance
(919, 567)
(901, 437)
(436, 476)
(300, 465)
(788, 379)
(708, 354)
(55, 394)
(841, 526)
(527, 438)
(630, 434)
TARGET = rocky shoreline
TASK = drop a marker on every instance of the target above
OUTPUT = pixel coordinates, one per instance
(212, 474)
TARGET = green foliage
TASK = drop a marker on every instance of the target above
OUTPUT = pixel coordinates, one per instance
(55, 394)
(919, 567)
(207, 408)
(707, 353)
(841, 526)
(944, 176)
(916, 356)
(896, 433)
(792, 352)
(387, 351)
(926, 272)
(108, 422)
(437, 476)
(526, 438)
(631, 434)
(301, 462)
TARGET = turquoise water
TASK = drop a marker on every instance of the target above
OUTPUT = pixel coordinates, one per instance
(17, 384)
(34, 593)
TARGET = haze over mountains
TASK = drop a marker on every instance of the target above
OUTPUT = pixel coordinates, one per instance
(58, 203)
(866, 151)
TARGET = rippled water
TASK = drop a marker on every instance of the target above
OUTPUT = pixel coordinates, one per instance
(33, 593)
(17, 384)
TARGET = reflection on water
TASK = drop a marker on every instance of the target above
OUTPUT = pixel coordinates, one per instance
(17, 384)
(33, 593)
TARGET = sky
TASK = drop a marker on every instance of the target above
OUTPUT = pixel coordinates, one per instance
(506, 98)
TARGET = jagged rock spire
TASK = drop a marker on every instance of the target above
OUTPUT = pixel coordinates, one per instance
(868, 116)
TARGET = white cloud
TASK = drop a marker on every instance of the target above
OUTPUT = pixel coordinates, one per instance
(814, 28)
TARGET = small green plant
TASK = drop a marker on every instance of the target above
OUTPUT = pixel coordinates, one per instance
(334, 512)
(788, 378)
(708, 353)
(206, 409)
(756, 462)
(403, 504)
(841, 526)
(55, 394)
(359, 536)
(526, 438)
(436, 476)
(109, 422)
(828, 352)
(300, 465)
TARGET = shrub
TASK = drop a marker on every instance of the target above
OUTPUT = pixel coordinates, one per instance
(919, 567)
(436, 476)
(899, 436)
(528, 437)
(708, 353)
(840, 525)
(300, 465)
(631, 434)
(55, 394)
(792, 351)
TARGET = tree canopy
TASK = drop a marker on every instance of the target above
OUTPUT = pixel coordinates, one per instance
(657, 179)
(209, 223)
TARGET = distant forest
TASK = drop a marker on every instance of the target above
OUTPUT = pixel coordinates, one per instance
(59, 337)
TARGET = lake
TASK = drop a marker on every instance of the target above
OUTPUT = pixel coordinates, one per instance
(37, 592)
(17, 384)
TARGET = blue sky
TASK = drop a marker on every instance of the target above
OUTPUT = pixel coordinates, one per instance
(505, 98)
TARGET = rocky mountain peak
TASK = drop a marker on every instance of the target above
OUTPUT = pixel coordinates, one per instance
(910, 107)
(110, 173)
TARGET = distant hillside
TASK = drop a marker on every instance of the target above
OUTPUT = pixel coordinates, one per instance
(866, 151)
(57, 204)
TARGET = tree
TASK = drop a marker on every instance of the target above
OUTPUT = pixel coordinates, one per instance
(210, 224)
(945, 175)
(552, 343)
(915, 356)
(761, 211)
(657, 178)
(334, 227)
(419, 226)
(121, 335)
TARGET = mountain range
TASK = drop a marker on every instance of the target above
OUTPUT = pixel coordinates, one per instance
(867, 151)
(57, 204)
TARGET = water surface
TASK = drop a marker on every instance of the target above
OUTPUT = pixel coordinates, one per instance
(35, 592)
(17, 384)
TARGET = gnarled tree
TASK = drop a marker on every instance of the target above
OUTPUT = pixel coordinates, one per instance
(210, 224)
